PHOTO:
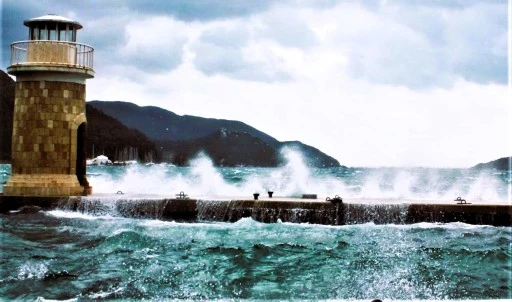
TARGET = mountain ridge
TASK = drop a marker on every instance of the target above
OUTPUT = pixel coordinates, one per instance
(162, 124)
(170, 130)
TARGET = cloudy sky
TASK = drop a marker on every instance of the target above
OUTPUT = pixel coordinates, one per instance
(372, 83)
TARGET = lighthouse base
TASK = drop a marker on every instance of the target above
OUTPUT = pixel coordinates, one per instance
(44, 185)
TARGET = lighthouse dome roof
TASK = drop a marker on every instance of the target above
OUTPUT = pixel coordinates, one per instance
(52, 18)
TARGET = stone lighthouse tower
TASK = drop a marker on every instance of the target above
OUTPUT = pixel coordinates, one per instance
(49, 128)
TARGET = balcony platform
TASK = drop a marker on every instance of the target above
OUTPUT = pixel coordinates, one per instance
(50, 68)
(53, 56)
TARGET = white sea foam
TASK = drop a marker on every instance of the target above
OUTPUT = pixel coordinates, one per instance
(160, 224)
(429, 225)
(296, 178)
(155, 223)
(105, 295)
(43, 299)
(248, 222)
(73, 215)
(32, 270)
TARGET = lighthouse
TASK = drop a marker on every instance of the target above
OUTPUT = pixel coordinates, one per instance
(49, 126)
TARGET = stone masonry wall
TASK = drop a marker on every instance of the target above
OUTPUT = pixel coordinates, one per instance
(44, 134)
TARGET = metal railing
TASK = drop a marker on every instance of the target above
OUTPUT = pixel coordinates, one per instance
(44, 52)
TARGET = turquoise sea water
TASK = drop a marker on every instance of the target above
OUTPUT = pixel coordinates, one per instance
(60, 255)
(63, 255)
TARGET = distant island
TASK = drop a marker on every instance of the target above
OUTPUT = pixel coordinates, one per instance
(124, 131)
(502, 164)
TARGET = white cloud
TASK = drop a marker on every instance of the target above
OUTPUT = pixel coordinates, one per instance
(288, 27)
(155, 44)
(235, 50)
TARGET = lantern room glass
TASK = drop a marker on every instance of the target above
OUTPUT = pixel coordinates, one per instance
(52, 32)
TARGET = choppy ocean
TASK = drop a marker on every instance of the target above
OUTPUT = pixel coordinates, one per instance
(61, 255)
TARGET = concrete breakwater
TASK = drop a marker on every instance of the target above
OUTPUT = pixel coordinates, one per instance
(269, 210)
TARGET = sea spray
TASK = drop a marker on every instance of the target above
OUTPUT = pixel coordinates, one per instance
(429, 184)
(207, 180)
(203, 180)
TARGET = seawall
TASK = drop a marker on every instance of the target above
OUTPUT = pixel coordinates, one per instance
(270, 210)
